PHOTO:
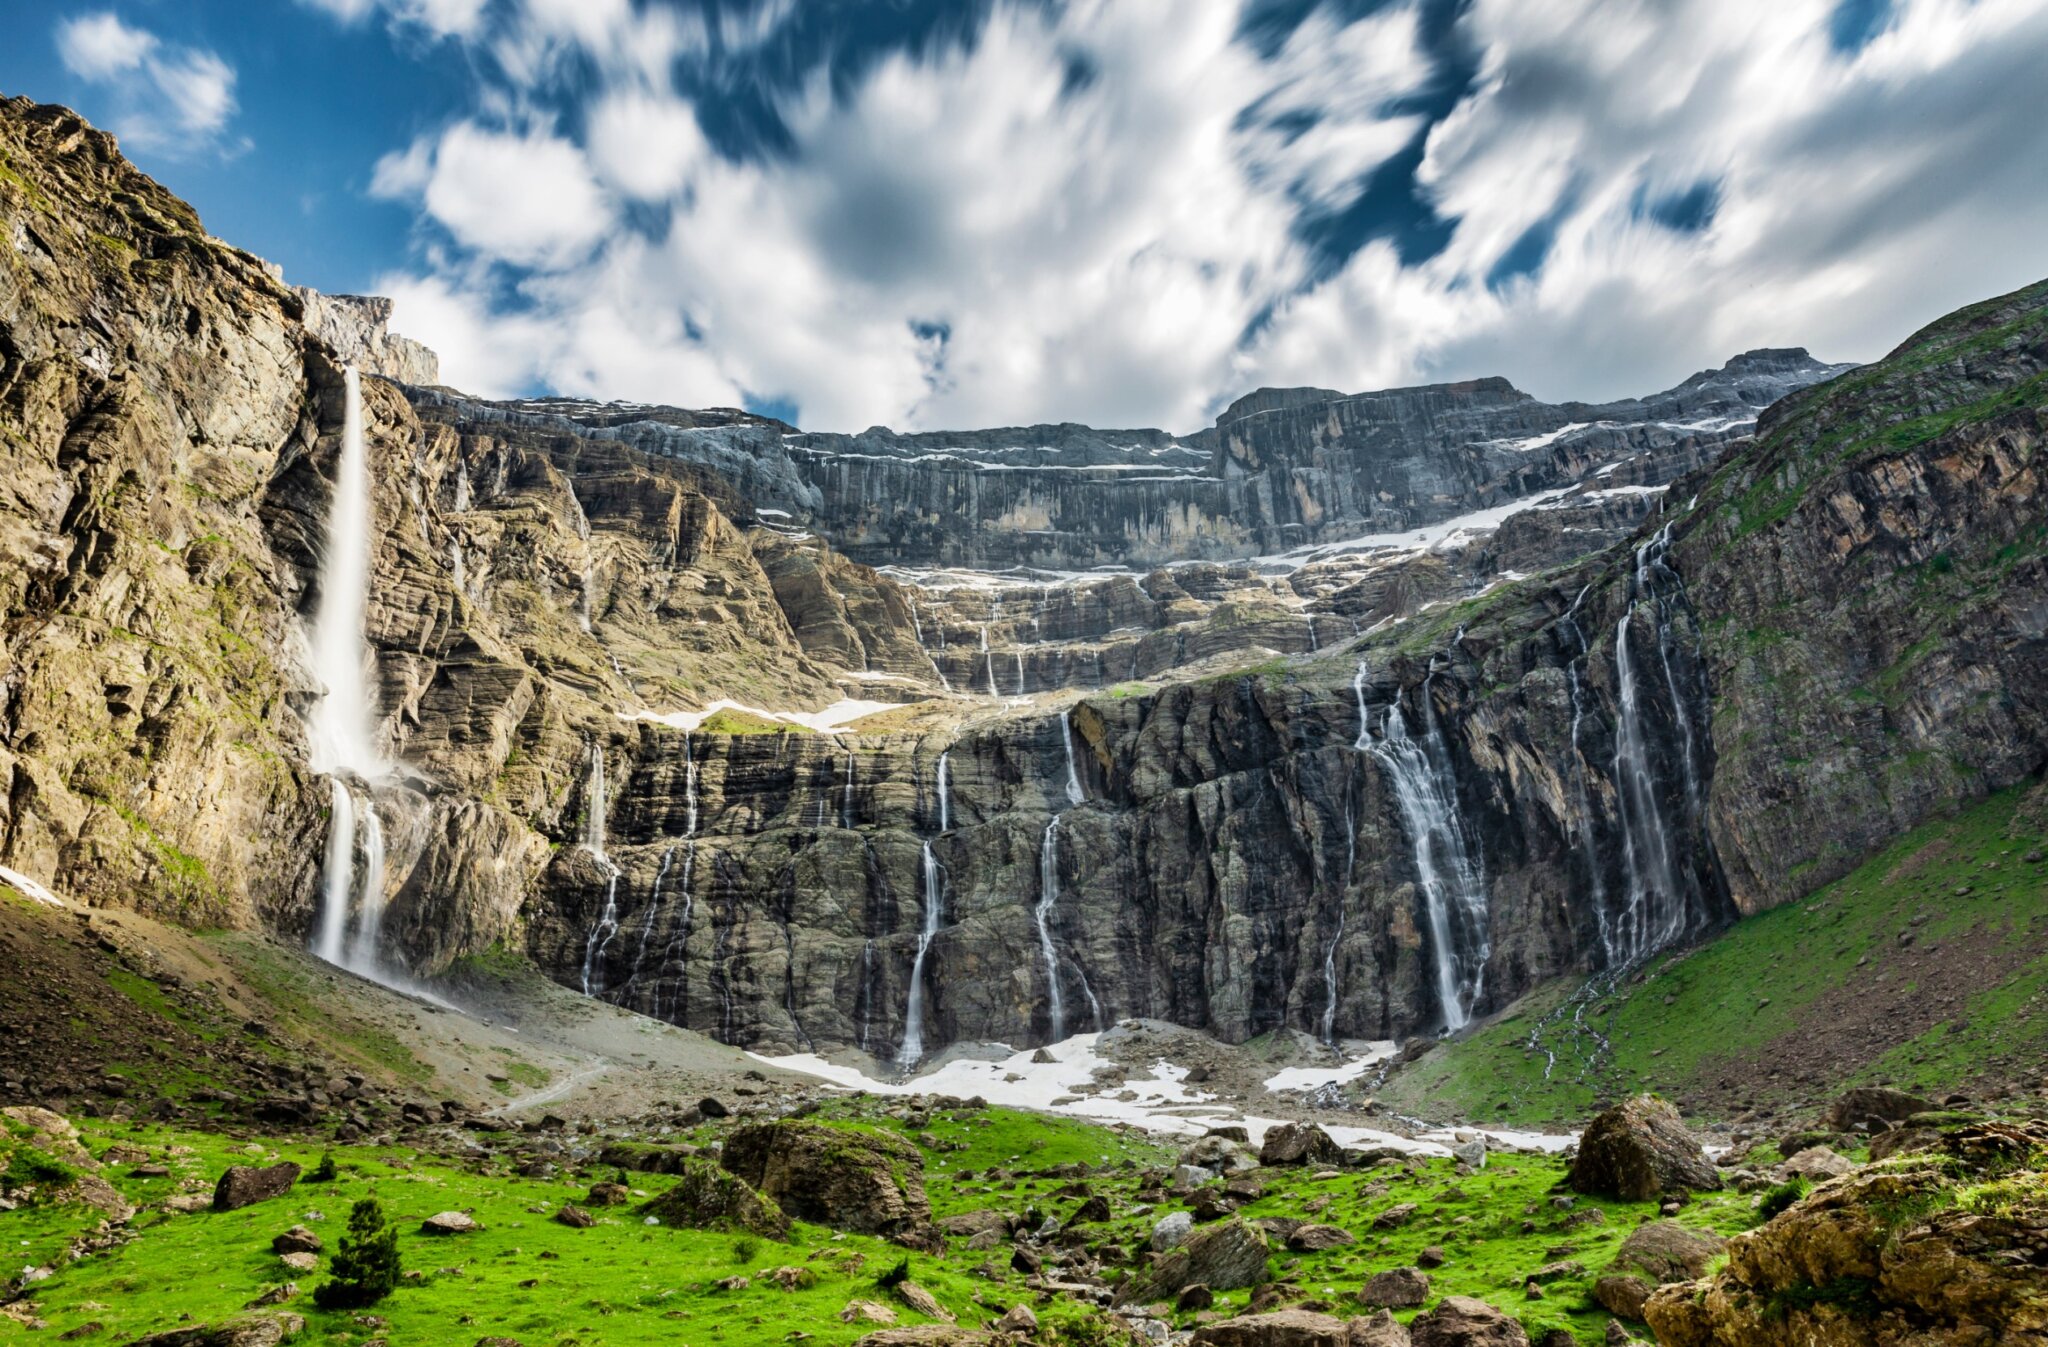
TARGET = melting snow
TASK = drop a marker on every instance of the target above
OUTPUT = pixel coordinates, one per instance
(1315, 1077)
(30, 888)
(1162, 1102)
(827, 721)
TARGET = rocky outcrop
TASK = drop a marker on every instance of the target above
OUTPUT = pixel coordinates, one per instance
(356, 327)
(707, 1197)
(1639, 1150)
(1886, 1255)
(850, 1180)
(1223, 1257)
(1461, 1321)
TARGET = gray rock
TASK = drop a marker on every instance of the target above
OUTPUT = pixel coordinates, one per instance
(1171, 1231)
(245, 1185)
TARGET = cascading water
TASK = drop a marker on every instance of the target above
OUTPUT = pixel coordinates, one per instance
(1048, 895)
(912, 1050)
(1657, 908)
(341, 731)
(1337, 938)
(846, 798)
(593, 841)
(673, 965)
(1075, 794)
(989, 661)
(945, 792)
(1447, 872)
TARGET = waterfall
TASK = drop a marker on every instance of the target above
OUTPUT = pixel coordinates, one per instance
(1314, 646)
(912, 1050)
(1582, 796)
(930, 658)
(583, 603)
(1049, 894)
(1656, 908)
(341, 730)
(1329, 1034)
(1020, 671)
(846, 801)
(989, 660)
(463, 493)
(1075, 794)
(647, 928)
(676, 951)
(945, 780)
(1447, 871)
(593, 842)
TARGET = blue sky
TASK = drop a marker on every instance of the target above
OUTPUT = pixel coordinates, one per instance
(964, 212)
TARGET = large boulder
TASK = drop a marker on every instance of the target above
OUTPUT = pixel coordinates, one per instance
(1400, 1288)
(246, 1185)
(1219, 1155)
(1667, 1251)
(1816, 1163)
(1222, 1257)
(1638, 1150)
(1379, 1330)
(1281, 1328)
(867, 1182)
(1299, 1144)
(706, 1197)
(1874, 1108)
(1461, 1321)
(1888, 1254)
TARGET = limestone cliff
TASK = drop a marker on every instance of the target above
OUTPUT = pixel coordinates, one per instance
(1363, 791)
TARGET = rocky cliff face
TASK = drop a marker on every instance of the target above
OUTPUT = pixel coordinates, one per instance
(356, 328)
(1362, 791)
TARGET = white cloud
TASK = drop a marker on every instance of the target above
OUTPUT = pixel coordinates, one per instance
(163, 96)
(1098, 249)
(100, 46)
(443, 18)
(523, 198)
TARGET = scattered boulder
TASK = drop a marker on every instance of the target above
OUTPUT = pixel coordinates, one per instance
(1194, 1298)
(276, 1295)
(1461, 1321)
(921, 1300)
(1471, 1154)
(1092, 1212)
(1899, 1140)
(246, 1185)
(252, 1330)
(969, 1223)
(1299, 1144)
(1019, 1320)
(866, 1312)
(1431, 1256)
(609, 1195)
(1622, 1294)
(575, 1217)
(298, 1239)
(707, 1197)
(1223, 1257)
(1394, 1217)
(1379, 1330)
(1874, 1107)
(1317, 1238)
(450, 1223)
(642, 1157)
(300, 1262)
(1171, 1231)
(1281, 1328)
(712, 1107)
(1400, 1288)
(1667, 1251)
(1219, 1155)
(1639, 1150)
(1818, 1163)
(866, 1182)
(928, 1335)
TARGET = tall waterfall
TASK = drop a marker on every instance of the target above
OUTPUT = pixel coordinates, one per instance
(846, 798)
(1447, 869)
(342, 727)
(675, 953)
(1581, 792)
(593, 841)
(1075, 794)
(989, 662)
(1048, 895)
(1657, 907)
(912, 1050)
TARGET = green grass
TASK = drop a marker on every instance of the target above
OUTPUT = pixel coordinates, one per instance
(623, 1282)
(1757, 984)
(729, 721)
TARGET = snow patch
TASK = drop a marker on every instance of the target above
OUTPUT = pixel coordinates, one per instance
(828, 721)
(30, 888)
